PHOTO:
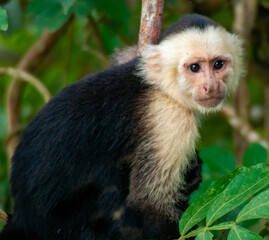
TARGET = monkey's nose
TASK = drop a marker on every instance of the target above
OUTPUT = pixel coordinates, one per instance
(211, 88)
(206, 89)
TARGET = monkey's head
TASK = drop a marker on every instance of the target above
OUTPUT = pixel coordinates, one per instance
(197, 66)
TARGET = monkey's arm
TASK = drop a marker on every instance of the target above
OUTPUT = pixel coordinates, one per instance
(193, 176)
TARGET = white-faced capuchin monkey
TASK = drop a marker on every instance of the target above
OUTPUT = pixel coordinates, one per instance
(113, 155)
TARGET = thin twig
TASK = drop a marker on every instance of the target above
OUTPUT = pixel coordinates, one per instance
(29, 62)
(244, 17)
(27, 77)
(100, 53)
(242, 127)
(99, 41)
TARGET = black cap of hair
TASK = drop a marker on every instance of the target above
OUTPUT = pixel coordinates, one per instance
(189, 21)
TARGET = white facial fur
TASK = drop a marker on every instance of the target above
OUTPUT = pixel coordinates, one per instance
(167, 65)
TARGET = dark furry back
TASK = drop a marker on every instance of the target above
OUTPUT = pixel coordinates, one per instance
(68, 157)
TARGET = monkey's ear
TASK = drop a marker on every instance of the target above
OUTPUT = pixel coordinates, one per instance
(153, 57)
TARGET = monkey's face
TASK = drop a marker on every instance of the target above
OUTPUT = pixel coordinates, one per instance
(206, 75)
(197, 68)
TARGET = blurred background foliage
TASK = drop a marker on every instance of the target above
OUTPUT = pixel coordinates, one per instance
(86, 33)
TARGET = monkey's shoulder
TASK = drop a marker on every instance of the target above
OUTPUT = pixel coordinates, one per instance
(86, 124)
(111, 86)
(97, 112)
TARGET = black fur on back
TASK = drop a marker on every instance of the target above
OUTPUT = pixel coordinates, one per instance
(67, 159)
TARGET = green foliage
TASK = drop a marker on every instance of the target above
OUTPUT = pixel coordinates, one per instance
(3, 19)
(52, 14)
(205, 235)
(254, 155)
(258, 207)
(115, 10)
(219, 161)
(222, 226)
(198, 210)
(242, 187)
(66, 4)
(226, 194)
(239, 233)
(48, 14)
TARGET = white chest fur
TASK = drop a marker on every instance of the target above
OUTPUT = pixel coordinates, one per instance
(169, 143)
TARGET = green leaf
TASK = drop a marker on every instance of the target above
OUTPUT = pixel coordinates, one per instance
(218, 160)
(240, 233)
(83, 7)
(116, 9)
(254, 155)
(66, 4)
(199, 208)
(3, 19)
(48, 14)
(205, 235)
(258, 207)
(194, 232)
(243, 186)
(222, 226)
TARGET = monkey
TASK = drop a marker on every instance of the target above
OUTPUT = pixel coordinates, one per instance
(113, 156)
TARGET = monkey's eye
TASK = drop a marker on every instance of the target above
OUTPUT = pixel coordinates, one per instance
(195, 67)
(218, 64)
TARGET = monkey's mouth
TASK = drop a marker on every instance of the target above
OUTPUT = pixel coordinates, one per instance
(209, 102)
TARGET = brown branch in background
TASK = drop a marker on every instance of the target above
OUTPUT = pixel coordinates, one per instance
(101, 52)
(242, 127)
(151, 23)
(245, 13)
(266, 104)
(97, 35)
(29, 61)
(262, 72)
(27, 77)
(3, 216)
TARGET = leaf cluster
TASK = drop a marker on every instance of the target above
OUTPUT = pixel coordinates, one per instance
(52, 14)
(245, 186)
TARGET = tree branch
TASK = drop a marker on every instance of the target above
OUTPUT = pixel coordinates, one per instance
(30, 60)
(245, 13)
(101, 53)
(151, 23)
(27, 77)
(242, 127)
